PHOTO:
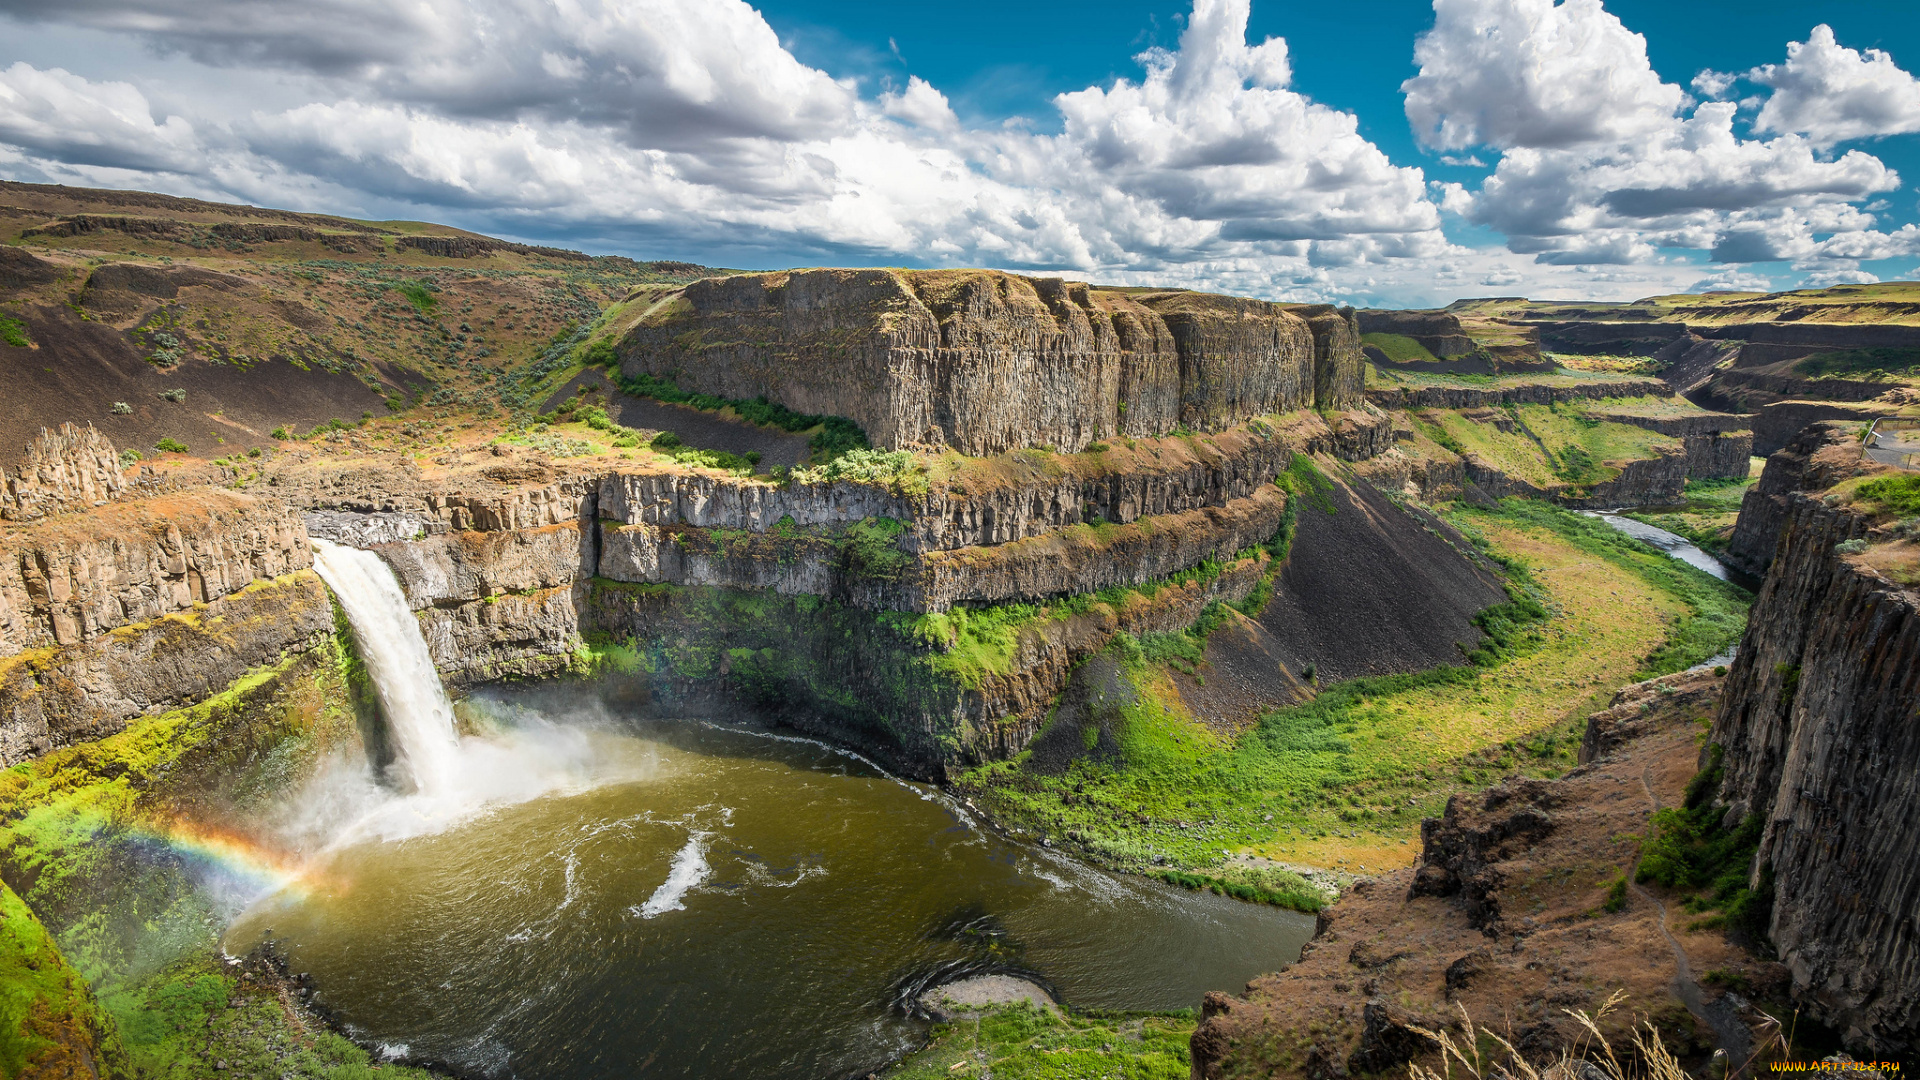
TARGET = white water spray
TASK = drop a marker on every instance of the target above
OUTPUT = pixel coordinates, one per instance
(395, 652)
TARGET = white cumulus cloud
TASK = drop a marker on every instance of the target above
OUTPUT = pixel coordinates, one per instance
(1831, 93)
(1603, 163)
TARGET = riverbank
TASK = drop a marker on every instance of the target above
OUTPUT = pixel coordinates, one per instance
(1343, 782)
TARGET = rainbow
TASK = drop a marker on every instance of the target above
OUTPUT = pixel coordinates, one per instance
(244, 864)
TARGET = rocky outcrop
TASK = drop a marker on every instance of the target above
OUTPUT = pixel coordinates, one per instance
(1818, 739)
(1507, 916)
(865, 678)
(75, 578)
(1525, 393)
(57, 696)
(63, 470)
(985, 362)
(1653, 481)
(1776, 424)
(1439, 332)
(1820, 456)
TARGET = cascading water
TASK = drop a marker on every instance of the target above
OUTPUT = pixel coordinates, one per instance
(418, 713)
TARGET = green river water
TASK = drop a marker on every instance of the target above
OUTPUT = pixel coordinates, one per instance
(724, 903)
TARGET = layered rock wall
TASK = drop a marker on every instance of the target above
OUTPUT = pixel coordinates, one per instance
(1819, 740)
(56, 696)
(74, 578)
(986, 362)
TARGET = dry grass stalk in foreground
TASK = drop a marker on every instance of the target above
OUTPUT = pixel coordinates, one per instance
(1656, 1063)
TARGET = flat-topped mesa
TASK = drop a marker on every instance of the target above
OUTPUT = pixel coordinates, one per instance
(983, 361)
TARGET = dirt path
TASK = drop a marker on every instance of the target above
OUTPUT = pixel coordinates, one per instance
(1729, 1033)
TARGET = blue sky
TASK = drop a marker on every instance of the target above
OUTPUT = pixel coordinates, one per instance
(1562, 150)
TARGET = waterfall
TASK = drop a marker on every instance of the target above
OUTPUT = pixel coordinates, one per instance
(419, 716)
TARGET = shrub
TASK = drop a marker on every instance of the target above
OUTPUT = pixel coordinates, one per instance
(128, 457)
(121, 408)
(1897, 494)
(419, 294)
(1850, 547)
(170, 445)
(898, 470)
(174, 395)
(14, 332)
(666, 440)
(281, 432)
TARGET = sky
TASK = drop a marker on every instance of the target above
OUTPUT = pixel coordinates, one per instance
(1382, 154)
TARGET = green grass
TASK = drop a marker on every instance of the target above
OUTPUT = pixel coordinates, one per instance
(1366, 759)
(43, 1000)
(1400, 348)
(1716, 610)
(1894, 494)
(1861, 364)
(420, 295)
(1689, 849)
(14, 332)
(1708, 517)
(1024, 1043)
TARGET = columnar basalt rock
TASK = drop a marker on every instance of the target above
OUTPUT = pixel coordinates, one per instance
(985, 362)
(1820, 456)
(68, 469)
(1818, 738)
(75, 578)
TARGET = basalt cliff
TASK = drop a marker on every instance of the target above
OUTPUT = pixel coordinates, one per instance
(985, 362)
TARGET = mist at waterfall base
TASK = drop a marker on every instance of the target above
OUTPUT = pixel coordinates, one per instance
(570, 891)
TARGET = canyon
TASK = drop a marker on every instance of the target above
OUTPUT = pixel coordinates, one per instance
(1079, 512)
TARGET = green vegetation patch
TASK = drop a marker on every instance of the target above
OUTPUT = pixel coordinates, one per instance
(420, 294)
(1716, 610)
(1689, 849)
(1365, 758)
(1861, 364)
(14, 332)
(1021, 1042)
(1400, 348)
(1894, 494)
(46, 1009)
(831, 435)
(1707, 519)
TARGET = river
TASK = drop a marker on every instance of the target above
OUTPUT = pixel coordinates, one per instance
(721, 902)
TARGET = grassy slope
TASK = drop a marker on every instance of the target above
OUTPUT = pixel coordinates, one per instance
(48, 1016)
(1400, 348)
(1576, 449)
(1345, 780)
(82, 816)
(1023, 1043)
(1712, 507)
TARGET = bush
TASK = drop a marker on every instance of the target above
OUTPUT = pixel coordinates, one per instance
(1897, 494)
(282, 433)
(174, 395)
(170, 445)
(897, 470)
(121, 408)
(666, 440)
(1854, 546)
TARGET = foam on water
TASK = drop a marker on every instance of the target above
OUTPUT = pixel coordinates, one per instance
(688, 870)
